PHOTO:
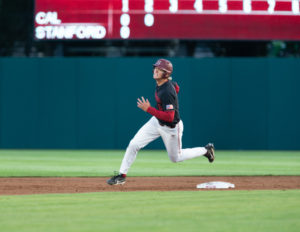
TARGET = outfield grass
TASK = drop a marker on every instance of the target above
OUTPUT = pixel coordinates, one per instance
(148, 163)
(247, 211)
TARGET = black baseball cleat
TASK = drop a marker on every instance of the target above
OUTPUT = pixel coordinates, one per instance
(117, 179)
(210, 155)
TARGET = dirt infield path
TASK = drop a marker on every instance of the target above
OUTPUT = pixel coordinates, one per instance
(35, 185)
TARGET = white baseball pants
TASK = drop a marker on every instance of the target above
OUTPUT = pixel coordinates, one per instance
(171, 138)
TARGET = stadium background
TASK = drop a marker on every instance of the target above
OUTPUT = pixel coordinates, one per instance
(68, 110)
(89, 103)
(240, 94)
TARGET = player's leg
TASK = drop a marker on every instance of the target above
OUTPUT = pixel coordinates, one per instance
(172, 139)
(144, 136)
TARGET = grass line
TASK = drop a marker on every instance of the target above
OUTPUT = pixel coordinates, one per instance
(44, 163)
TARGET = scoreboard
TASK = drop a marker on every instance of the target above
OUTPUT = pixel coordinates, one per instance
(167, 19)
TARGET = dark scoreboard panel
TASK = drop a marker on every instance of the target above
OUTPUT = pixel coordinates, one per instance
(167, 19)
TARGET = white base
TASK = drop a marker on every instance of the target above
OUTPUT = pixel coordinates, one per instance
(215, 185)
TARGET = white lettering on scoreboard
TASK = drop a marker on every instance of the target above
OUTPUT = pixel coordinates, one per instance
(198, 5)
(247, 7)
(271, 6)
(222, 6)
(49, 26)
(125, 20)
(149, 18)
(173, 6)
(295, 6)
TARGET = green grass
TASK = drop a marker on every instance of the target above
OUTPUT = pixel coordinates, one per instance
(148, 163)
(224, 211)
(247, 211)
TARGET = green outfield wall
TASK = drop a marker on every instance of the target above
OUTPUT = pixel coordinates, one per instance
(90, 103)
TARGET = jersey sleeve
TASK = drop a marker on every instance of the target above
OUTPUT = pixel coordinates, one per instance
(167, 116)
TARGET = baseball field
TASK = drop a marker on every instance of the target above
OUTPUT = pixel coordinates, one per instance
(62, 190)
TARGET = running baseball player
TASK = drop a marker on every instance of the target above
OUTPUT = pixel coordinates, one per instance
(165, 122)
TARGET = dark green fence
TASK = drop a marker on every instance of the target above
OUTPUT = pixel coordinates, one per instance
(90, 103)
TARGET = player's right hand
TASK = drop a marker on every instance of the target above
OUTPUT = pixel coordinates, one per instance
(143, 104)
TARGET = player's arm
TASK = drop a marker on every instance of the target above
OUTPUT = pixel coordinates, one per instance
(167, 115)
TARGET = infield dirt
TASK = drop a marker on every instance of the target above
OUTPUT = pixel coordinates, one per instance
(36, 185)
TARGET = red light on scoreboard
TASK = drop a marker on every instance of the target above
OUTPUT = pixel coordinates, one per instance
(167, 19)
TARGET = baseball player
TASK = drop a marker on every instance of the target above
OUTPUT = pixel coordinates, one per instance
(165, 122)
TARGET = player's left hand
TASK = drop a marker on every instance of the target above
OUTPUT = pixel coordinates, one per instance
(143, 104)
